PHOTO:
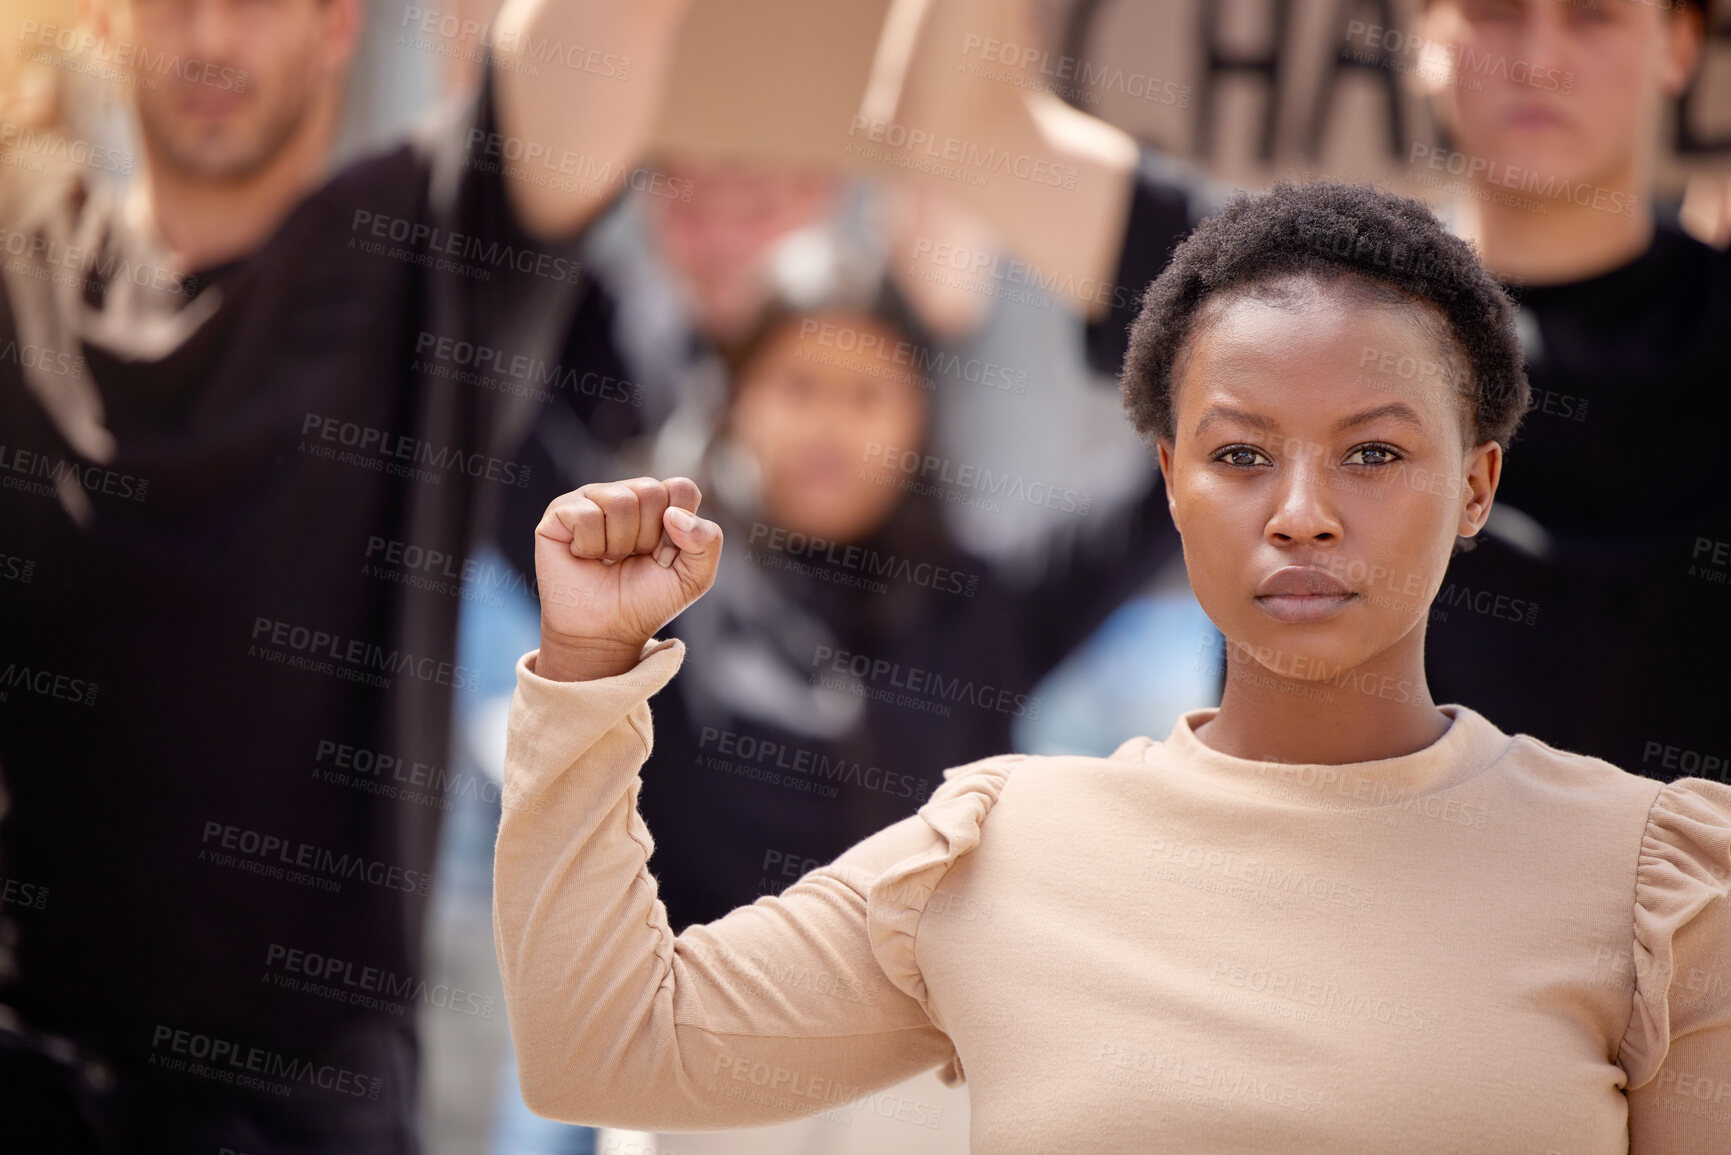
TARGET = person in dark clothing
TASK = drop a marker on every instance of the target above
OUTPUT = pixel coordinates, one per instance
(1611, 632)
(1600, 592)
(851, 649)
(1167, 200)
(238, 485)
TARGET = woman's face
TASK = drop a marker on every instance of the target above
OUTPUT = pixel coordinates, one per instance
(825, 408)
(1319, 475)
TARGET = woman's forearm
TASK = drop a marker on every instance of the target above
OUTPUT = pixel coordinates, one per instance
(618, 1022)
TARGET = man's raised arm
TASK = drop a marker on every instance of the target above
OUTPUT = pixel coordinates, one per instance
(1055, 181)
(579, 81)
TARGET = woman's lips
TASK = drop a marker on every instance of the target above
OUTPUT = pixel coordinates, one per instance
(1303, 607)
(1302, 593)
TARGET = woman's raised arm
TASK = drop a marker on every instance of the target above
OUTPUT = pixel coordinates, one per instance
(779, 1010)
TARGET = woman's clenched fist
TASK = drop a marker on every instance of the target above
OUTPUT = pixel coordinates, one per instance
(616, 561)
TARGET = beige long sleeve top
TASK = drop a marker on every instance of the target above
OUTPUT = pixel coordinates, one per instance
(1488, 945)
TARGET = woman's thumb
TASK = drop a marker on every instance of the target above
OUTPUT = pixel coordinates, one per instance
(699, 541)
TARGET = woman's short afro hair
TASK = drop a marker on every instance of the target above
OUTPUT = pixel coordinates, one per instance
(1326, 231)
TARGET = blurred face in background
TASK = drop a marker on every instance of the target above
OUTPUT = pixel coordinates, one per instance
(223, 86)
(1571, 89)
(824, 424)
(720, 240)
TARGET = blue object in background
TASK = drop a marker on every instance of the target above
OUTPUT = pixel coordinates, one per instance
(519, 1131)
(1155, 658)
(500, 622)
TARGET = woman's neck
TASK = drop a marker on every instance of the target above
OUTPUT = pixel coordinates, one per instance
(1382, 709)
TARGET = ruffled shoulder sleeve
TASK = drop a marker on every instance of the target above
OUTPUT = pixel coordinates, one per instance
(1131, 749)
(897, 898)
(1682, 925)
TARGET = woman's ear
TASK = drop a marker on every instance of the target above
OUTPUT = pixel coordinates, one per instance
(1163, 447)
(1480, 472)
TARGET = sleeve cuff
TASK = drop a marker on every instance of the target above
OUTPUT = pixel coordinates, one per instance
(526, 665)
(554, 724)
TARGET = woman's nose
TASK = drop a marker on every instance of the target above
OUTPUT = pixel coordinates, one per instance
(1305, 509)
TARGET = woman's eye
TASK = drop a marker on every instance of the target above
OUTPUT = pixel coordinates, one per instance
(1372, 455)
(1240, 455)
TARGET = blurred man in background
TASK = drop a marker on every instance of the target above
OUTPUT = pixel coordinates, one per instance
(1603, 598)
(238, 481)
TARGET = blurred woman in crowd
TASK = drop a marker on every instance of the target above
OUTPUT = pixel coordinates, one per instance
(854, 649)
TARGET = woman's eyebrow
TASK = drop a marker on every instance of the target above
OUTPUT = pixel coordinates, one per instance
(1243, 417)
(1398, 410)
